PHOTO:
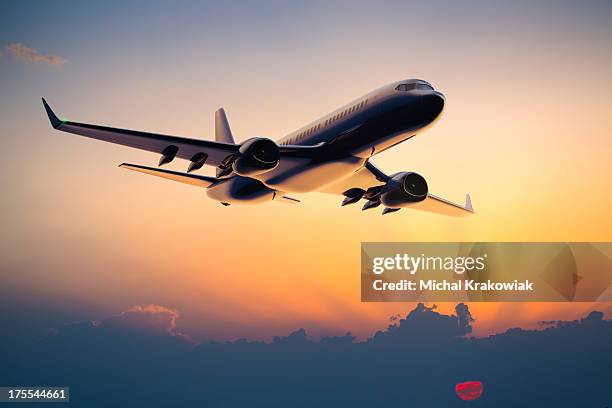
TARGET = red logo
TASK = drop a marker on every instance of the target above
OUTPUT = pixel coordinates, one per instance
(469, 390)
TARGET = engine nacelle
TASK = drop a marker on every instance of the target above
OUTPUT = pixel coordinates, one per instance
(404, 189)
(256, 156)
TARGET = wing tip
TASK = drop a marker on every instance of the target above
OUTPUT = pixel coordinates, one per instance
(55, 121)
(468, 203)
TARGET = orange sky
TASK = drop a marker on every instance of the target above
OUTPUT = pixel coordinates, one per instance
(525, 131)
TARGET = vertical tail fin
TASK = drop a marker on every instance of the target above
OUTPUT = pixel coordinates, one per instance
(223, 133)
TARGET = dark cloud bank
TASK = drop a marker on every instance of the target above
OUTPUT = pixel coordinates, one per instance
(137, 358)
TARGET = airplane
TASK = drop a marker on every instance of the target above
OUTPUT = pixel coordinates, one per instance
(330, 155)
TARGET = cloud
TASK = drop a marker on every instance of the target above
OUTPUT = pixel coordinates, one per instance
(150, 318)
(138, 355)
(32, 55)
(137, 322)
(594, 316)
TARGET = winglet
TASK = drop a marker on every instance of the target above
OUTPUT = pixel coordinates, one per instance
(55, 121)
(468, 203)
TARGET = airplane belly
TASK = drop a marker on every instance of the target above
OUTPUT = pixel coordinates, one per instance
(243, 190)
(298, 175)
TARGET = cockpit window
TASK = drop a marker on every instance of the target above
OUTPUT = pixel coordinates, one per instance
(422, 85)
(414, 85)
(405, 87)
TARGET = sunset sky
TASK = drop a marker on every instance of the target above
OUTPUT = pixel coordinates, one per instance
(526, 130)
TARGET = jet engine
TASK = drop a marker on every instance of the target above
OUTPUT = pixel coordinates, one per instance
(404, 189)
(256, 156)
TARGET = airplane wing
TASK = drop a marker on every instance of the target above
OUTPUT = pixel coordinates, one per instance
(371, 176)
(200, 152)
(442, 206)
(192, 179)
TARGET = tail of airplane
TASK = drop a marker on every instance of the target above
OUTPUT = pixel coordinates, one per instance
(223, 133)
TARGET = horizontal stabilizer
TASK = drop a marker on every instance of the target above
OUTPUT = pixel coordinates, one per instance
(193, 179)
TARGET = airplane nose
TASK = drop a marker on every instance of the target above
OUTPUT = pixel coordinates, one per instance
(435, 103)
(428, 107)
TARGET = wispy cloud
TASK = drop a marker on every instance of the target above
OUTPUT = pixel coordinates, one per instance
(31, 55)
